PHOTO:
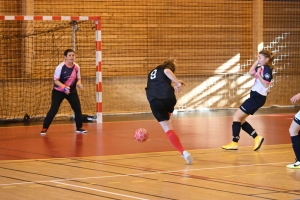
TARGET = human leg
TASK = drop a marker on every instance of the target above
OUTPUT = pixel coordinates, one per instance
(249, 107)
(249, 129)
(238, 117)
(161, 110)
(56, 99)
(74, 102)
(172, 136)
(175, 141)
(258, 140)
(294, 134)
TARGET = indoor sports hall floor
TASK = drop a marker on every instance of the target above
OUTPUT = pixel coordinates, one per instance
(107, 162)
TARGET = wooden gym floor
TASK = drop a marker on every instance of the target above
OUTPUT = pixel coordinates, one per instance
(107, 163)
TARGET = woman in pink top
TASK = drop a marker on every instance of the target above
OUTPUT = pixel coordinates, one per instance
(67, 79)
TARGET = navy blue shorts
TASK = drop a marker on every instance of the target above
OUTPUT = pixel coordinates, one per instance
(161, 108)
(251, 105)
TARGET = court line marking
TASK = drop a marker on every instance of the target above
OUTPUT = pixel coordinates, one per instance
(175, 118)
(140, 174)
(172, 153)
(103, 191)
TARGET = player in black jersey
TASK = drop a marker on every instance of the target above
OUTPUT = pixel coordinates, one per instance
(161, 96)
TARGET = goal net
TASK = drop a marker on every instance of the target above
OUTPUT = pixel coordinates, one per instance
(30, 50)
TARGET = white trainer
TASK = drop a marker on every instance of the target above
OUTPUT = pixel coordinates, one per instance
(44, 132)
(295, 165)
(188, 158)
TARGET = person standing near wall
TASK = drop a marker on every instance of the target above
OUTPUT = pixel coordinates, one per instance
(66, 79)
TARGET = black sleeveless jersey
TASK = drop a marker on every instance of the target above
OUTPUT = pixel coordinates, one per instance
(159, 85)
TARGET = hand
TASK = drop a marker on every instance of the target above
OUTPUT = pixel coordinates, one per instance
(80, 86)
(67, 90)
(295, 98)
(178, 87)
(258, 70)
(181, 82)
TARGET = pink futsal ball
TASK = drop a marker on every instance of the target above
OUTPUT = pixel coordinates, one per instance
(141, 135)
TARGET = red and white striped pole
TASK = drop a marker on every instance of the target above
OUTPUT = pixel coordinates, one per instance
(98, 72)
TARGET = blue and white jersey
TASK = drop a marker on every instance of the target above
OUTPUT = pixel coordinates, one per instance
(267, 75)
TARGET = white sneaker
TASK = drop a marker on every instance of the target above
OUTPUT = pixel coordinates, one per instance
(44, 132)
(188, 158)
(80, 130)
(295, 165)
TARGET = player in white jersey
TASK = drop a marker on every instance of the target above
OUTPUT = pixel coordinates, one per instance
(295, 135)
(261, 70)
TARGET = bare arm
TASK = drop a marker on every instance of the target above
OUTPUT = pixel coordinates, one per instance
(295, 98)
(172, 77)
(252, 68)
(79, 84)
(58, 83)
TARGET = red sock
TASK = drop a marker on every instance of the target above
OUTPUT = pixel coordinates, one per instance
(175, 140)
